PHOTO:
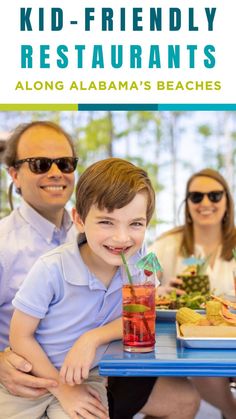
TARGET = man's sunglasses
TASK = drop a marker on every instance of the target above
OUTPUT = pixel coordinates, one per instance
(197, 197)
(40, 165)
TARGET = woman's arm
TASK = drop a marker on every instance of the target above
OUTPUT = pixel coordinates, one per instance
(171, 285)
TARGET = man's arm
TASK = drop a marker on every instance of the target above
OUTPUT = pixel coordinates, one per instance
(14, 375)
(80, 399)
(78, 361)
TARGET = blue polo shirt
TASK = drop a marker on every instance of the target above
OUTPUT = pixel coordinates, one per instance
(24, 236)
(69, 300)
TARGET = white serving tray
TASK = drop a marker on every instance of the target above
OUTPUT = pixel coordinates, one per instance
(205, 343)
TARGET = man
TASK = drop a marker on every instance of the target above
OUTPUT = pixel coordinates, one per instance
(41, 161)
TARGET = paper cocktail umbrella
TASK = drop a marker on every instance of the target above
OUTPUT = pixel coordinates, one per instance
(149, 264)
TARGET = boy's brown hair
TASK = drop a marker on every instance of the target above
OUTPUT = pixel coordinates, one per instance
(111, 184)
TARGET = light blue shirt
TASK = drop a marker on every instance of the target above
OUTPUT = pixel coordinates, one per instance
(24, 236)
(69, 300)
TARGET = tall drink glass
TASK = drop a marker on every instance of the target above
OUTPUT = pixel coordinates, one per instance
(138, 309)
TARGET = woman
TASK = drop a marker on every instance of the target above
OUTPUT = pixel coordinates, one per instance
(208, 232)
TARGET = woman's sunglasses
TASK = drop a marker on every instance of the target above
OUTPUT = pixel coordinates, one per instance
(197, 197)
(40, 165)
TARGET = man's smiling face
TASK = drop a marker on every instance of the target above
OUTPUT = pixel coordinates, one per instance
(47, 193)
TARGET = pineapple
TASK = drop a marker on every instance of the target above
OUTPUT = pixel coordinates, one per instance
(194, 275)
(195, 283)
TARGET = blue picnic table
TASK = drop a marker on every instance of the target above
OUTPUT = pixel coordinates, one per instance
(170, 358)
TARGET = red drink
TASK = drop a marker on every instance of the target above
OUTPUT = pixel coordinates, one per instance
(139, 317)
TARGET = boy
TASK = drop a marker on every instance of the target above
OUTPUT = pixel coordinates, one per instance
(80, 291)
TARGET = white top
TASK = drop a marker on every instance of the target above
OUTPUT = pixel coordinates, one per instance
(220, 275)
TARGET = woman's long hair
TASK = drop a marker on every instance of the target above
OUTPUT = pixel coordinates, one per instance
(228, 227)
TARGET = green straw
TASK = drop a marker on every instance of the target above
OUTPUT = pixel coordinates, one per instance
(126, 268)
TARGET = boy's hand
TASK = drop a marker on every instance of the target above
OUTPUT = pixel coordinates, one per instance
(14, 375)
(80, 401)
(79, 359)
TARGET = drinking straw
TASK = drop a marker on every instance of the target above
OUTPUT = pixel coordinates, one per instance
(126, 268)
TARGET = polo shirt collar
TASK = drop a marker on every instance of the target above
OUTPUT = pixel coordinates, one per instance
(44, 227)
(76, 272)
(74, 269)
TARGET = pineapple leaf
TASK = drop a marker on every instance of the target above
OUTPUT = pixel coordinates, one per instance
(201, 269)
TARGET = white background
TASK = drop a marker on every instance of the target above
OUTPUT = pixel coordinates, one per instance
(223, 38)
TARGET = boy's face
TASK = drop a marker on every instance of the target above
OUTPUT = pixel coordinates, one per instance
(110, 233)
